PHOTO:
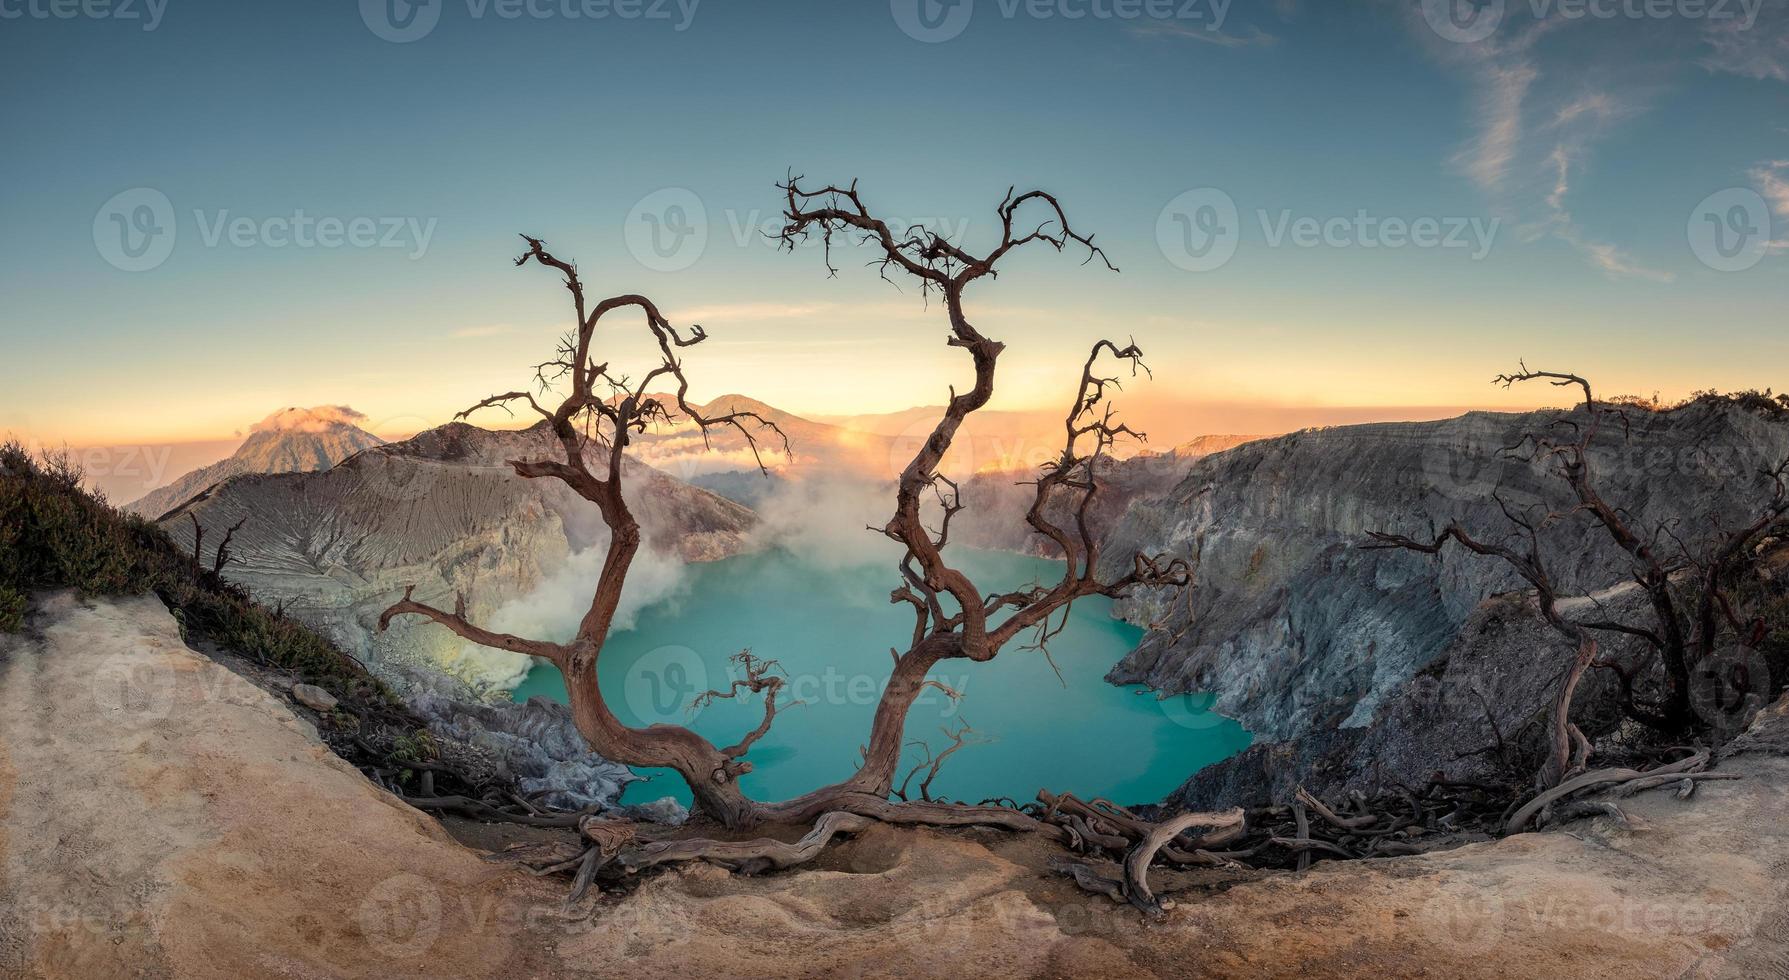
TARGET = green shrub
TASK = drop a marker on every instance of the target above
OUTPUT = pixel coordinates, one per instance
(12, 610)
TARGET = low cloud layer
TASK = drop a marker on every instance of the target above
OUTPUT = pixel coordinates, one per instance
(317, 419)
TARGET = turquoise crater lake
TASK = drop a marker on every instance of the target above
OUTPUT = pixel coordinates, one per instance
(831, 627)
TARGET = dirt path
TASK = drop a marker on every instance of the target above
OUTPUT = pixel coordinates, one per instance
(161, 817)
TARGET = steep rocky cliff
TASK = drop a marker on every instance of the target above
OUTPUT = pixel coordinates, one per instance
(444, 512)
(1297, 629)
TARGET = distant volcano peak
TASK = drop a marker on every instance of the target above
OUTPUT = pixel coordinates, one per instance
(291, 440)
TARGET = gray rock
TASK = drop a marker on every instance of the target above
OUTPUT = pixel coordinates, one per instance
(313, 697)
(535, 743)
(1298, 630)
(664, 810)
(1478, 713)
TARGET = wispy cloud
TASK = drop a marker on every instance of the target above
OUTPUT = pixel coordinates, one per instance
(1535, 122)
(1575, 126)
(1751, 46)
(1251, 37)
(1503, 71)
(1772, 180)
(1502, 89)
(1609, 258)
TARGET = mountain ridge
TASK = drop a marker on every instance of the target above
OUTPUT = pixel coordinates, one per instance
(290, 440)
(444, 512)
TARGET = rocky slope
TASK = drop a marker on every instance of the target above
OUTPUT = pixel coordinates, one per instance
(162, 817)
(291, 440)
(1297, 629)
(996, 501)
(444, 512)
(187, 824)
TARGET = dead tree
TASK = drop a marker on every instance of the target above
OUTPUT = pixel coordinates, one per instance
(1688, 587)
(593, 423)
(223, 555)
(601, 410)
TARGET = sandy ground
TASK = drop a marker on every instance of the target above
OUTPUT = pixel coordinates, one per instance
(159, 816)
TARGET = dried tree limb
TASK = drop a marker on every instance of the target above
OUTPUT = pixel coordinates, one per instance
(1689, 768)
(1136, 863)
(749, 856)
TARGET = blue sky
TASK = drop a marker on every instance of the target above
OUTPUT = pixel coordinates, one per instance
(1590, 141)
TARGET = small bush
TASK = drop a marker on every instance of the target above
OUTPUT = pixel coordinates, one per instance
(12, 610)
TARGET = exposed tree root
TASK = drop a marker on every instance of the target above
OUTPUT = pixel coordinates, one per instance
(1621, 782)
(1136, 863)
(1403, 823)
(748, 856)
